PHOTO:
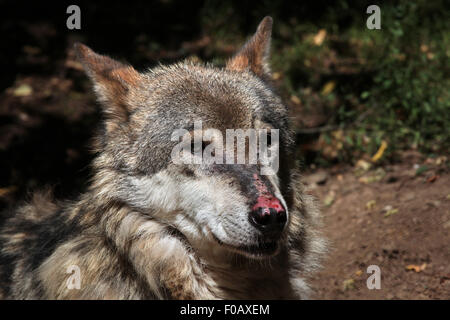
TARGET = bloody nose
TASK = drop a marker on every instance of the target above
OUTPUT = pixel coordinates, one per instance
(268, 215)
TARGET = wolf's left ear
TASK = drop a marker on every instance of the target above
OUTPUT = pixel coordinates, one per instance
(254, 55)
(112, 81)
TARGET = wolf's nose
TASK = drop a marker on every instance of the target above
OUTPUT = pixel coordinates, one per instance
(268, 215)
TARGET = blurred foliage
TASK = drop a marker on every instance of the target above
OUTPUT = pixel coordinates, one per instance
(368, 86)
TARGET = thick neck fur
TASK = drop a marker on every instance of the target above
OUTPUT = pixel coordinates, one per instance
(126, 254)
(174, 268)
(165, 261)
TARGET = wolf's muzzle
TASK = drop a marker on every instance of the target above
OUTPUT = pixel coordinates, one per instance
(268, 215)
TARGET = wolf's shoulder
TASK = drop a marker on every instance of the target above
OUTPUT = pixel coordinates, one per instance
(30, 234)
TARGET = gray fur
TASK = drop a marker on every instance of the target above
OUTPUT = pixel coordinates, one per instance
(148, 228)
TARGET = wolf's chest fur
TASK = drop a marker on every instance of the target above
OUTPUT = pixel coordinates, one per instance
(149, 227)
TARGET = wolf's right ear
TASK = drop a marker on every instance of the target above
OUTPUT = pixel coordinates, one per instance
(112, 80)
(254, 55)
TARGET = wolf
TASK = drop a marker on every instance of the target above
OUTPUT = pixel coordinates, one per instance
(149, 228)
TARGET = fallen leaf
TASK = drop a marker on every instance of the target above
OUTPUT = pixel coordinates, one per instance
(371, 204)
(348, 284)
(328, 87)
(363, 164)
(441, 160)
(390, 212)
(358, 273)
(432, 179)
(295, 99)
(380, 151)
(361, 167)
(319, 37)
(375, 176)
(329, 198)
(416, 268)
(23, 90)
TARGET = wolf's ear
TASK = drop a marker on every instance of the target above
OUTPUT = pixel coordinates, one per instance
(112, 80)
(254, 55)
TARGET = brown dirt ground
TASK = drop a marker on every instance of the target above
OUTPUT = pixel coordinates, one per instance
(418, 234)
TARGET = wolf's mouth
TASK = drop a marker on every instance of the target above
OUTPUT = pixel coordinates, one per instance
(259, 250)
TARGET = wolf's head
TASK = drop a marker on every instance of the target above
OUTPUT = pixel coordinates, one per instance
(215, 204)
